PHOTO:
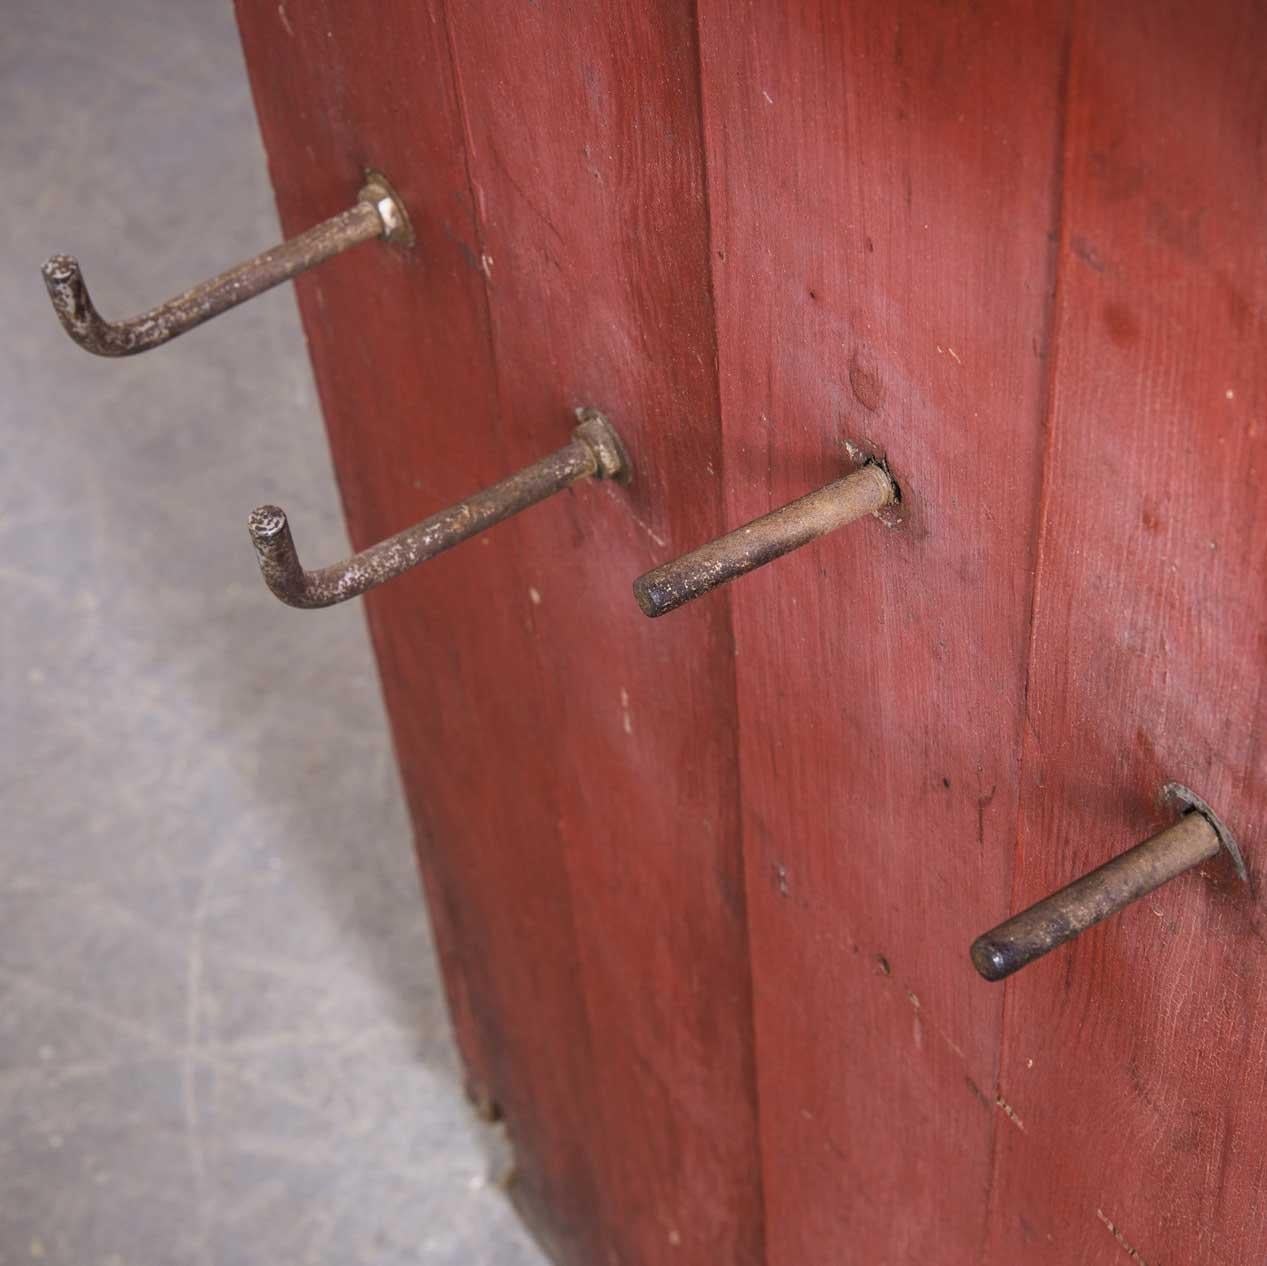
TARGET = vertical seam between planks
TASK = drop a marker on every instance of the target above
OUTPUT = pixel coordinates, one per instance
(742, 866)
(1037, 535)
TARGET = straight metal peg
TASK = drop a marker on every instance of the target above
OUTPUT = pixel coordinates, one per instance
(1026, 937)
(672, 584)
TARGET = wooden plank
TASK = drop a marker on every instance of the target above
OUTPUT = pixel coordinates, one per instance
(1133, 1059)
(586, 158)
(572, 767)
(401, 354)
(881, 181)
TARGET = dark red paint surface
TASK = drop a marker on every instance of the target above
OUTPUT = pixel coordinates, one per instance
(882, 190)
(704, 887)
(572, 768)
(1136, 1059)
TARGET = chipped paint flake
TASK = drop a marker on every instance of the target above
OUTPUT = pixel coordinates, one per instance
(1126, 1246)
(1008, 1111)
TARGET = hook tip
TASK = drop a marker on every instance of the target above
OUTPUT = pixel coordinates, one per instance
(279, 564)
(60, 270)
(73, 306)
(266, 524)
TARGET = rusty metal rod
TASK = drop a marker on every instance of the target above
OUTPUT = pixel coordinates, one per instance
(672, 584)
(377, 213)
(1049, 923)
(595, 450)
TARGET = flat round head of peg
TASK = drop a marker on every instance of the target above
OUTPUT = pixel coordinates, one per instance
(1187, 801)
(391, 210)
(600, 436)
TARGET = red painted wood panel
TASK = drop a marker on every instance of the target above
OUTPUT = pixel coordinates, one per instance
(571, 767)
(882, 186)
(585, 157)
(1134, 1058)
(400, 348)
(704, 887)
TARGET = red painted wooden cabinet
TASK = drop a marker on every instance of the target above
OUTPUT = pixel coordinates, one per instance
(704, 886)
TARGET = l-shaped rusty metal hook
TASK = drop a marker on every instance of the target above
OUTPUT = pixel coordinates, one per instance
(595, 450)
(378, 212)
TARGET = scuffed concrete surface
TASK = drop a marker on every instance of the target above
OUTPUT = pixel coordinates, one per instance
(222, 1036)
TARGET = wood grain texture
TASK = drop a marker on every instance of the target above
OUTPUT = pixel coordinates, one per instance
(572, 770)
(882, 187)
(1134, 1057)
(400, 349)
(681, 869)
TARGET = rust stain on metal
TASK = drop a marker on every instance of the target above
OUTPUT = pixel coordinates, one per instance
(378, 213)
(1065, 914)
(594, 451)
(671, 585)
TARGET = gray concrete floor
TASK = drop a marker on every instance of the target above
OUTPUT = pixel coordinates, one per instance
(222, 1035)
